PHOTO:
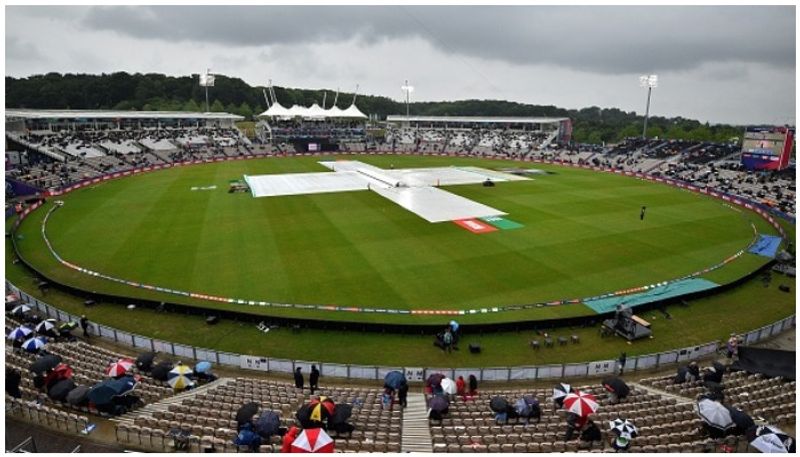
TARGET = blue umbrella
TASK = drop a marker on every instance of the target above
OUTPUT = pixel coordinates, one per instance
(102, 393)
(202, 367)
(394, 379)
(19, 333)
(454, 326)
(34, 344)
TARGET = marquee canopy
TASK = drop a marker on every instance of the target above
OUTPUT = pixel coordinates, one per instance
(313, 112)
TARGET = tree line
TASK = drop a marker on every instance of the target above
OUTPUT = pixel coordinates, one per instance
(158, 92)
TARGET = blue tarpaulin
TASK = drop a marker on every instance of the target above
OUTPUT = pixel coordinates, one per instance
(687, 286)
(767, 245)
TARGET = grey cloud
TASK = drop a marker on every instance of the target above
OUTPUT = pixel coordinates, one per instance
(21, 50)
(594, 39)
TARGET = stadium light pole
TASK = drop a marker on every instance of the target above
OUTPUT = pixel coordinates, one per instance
(207, 80)
(407, 89)
(648, 81)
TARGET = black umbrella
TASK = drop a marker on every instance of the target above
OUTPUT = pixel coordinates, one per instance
(246, 413)
(78, 395)
(769, 440)
(45, 363)
(498, 404)
(439, 403)
(268, 424)
(103, 393)
(341, 413)
(161, 370)
(742, 420)
(61, 389)
(145, 361)
(617, 386)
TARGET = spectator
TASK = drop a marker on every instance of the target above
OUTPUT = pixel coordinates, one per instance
(591, 433)
(621, 442)
(13, 379)
(298, 378)
(473, 385)
(313, 379)
(622, 359)
(288, 439)
(461, 388)
(402, 394)
(85, 325)
(733, 345)
(387, 399)
(575, 423)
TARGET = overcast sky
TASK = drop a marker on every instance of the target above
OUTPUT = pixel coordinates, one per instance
(716, 63)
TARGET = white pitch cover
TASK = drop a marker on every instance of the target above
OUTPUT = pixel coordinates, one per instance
(412, 188)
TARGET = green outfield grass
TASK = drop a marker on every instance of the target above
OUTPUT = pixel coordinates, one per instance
(582, 236)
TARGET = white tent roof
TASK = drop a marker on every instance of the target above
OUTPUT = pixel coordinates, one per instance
(276, 110)
(316, 111)
(353, 111)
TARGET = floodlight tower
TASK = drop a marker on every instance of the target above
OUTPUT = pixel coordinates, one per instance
(207, 80)
(648, 81)
(407, 89)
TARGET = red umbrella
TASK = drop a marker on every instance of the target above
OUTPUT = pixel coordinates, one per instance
(313, 440)
(119, 368)
(580, 403)
(61, 371)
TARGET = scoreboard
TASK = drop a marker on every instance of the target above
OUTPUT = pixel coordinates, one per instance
(767, 148)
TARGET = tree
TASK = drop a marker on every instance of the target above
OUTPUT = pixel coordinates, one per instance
(217, 107)
(191, 106)
(245, 110)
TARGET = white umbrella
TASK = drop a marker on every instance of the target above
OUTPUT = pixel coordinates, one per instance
(769, 439)
(560, 391)
(449, 386)
(46, 326)
(21, 309)
(621, 427)
(715, 414)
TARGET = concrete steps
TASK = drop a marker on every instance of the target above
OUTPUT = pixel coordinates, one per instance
(416, 431)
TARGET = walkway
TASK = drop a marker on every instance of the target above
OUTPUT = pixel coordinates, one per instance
(416, 432)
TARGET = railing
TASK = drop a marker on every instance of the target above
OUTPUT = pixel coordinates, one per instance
(521, 373)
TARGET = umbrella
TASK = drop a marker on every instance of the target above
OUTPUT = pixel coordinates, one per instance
(622, 427)
(61, 389)
(434, 379)
(78, 395)
(178, 378)
(268, 424)
(448, 386)
(394, 379)
(34, 344)
(313, 440)
(119, 368)
(46, 326)
(21, 309)
(742, 420)
(161, 371)
(61, 371)
(65, 328)
(454, 326)
(320, 409)
(616, 385)
(246, 413)
(580, 403)
(560, 391)
(341, 413)
(769, 439)
(202, 367)
(715, 414)
(524, 405)
(19, 333)
(103, 392)
(45, 363)
(439, 403)
(145, 361)
(498, 404)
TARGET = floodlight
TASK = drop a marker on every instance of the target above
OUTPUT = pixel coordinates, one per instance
(648, 81)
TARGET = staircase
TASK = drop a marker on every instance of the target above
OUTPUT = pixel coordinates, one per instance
(416, 432)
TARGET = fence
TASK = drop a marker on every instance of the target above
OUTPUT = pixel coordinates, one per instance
(523, 373)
